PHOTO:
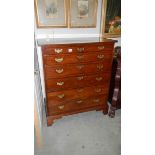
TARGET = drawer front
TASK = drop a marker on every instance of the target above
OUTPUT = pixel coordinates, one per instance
(76, 48)
(99, 47)
(51, 60)
(77, 82)
(76, 105)
(72, 94)
(75, 69)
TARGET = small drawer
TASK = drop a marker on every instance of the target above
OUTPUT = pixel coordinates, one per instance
(60, 71)
(77, 104)
(72, 94)
(79, 81)
(99, 48)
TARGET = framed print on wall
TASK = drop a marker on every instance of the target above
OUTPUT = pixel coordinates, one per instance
(111, 18)
(83, 13)
(51, 13)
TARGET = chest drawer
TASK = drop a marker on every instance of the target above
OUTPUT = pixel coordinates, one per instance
(72, 94)
(76, 105)
(51, 60)
(76, 48)
(75, 69)
(77, 82)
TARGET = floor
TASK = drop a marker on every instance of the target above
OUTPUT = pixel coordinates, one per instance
(89, 133)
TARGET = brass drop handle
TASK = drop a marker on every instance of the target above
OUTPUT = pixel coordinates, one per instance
(80, 57)
(61, 107)
(60, 83)
(99, 78)
(80, 49)
(61, 96)
(80, 77)
(57, 50)
(98, 90)
(100, 56)
(59, 70)
(99, 66)
(80, 101)
(59, 59)
(100, 47)
(96, 100)
(80, 66)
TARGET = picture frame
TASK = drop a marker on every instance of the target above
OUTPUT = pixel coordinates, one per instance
(83, 13)
(51, 13)
(111, 19)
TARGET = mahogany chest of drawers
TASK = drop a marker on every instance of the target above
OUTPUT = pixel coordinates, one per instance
(77, 77)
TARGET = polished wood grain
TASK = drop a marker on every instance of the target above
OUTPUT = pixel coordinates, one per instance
(77, 48)
(59, 59)
(75, 69)
(76, 105)
(77, 82)
(59, 97)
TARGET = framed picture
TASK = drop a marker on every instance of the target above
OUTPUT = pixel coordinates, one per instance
(111, 18)
(51, 13)
(83, 13)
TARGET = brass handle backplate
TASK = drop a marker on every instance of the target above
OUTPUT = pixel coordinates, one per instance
(80, 57)
(57, 50)
(80, 77)
(61, 96)
(97, 90)
(59, 59)
(100, 47)
(96, 100)
(99, 78)
(61, 107)
(59, 70)
(80, 101)
(100, 56)
(80, 49)
(60, 83)
(99, 66)
(80, 66)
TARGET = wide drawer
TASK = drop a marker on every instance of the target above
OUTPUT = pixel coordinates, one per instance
(77, 82)
(76, 48)
(76, 105)
(75, 69)
(51, 60)
(72, 94)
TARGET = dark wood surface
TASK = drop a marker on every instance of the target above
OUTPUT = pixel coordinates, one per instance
(75, 69)
(77, 104)
(77, 77)
(59, 59)
(87, 47)
(55, 84)
(72, 94)
(115, 83)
